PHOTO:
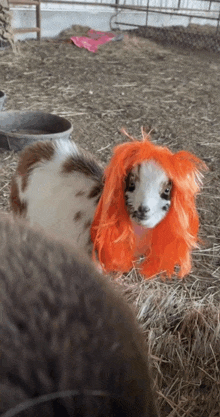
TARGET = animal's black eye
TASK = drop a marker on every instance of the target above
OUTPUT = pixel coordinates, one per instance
(131, 186)
(166, 193)
(130, 182)
(168, 188)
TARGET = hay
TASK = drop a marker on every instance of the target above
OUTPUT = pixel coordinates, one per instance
(182, 325)
(175, 92)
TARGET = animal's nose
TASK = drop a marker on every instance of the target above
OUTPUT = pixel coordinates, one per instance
(143, 209)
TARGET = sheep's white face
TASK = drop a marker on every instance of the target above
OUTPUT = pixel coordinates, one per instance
(148, 194)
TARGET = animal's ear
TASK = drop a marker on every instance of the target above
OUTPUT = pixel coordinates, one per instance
(188, 170)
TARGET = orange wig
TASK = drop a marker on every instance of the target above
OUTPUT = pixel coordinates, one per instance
(167, 247)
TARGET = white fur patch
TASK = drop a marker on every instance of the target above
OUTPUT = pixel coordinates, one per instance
(65, 148)
(52, 200)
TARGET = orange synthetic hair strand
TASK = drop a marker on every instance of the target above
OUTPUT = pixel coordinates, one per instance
(170, 243)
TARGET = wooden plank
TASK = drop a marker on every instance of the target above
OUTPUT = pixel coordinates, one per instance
(25, 2)
(26, 30)
(37, 29)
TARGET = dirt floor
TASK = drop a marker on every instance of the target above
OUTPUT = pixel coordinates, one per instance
(134, 83)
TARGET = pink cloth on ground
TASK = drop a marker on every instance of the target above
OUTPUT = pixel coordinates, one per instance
(93, 40)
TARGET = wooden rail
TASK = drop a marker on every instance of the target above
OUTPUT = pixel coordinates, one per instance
(36, 29)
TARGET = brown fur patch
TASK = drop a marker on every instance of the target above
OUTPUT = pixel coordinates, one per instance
(78, 216)
(80, 193)
(16, 205)
(84, 164)
(97, 200)
(87, 224)
(89, 243)
(89, 246)
(31, 156)
(95, 191)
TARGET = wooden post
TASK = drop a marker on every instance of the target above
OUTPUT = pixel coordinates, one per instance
(38, 20)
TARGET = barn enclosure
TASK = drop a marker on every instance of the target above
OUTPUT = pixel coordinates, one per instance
(164, 20)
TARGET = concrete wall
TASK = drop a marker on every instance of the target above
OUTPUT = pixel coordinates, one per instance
(57, 17)
(54, 21)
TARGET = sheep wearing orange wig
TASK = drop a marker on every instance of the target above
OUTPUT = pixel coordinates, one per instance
(167, 247)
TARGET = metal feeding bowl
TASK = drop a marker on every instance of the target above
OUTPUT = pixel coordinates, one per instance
(2, 99)
(19, 129)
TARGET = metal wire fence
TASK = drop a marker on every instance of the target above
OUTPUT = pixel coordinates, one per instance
(186, 23)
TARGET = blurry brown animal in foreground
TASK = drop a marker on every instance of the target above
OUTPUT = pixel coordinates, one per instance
(70, 345)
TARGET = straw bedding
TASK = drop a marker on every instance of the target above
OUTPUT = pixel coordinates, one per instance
(176, 93)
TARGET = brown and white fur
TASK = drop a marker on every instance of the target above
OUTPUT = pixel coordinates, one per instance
(65, 333)
(57, 186)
